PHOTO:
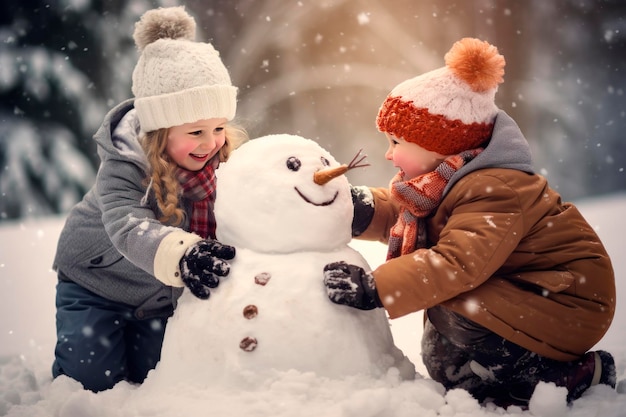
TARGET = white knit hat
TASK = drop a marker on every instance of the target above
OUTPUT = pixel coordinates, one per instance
(450, 109)
(177, 80)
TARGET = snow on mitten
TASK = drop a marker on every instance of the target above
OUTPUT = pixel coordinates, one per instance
(350, 285)
(203, 264)
(363, 202)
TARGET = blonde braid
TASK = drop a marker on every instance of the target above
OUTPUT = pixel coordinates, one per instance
(164, 183)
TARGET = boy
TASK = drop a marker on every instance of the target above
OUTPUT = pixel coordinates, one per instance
(515, 285)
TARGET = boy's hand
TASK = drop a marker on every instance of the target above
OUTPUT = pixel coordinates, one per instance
(203, 264)
(350, 285)
(363, 202)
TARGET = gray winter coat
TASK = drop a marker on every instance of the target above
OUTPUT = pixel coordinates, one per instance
(112, 243)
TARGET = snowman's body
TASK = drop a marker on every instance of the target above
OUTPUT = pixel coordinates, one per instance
(272, 313)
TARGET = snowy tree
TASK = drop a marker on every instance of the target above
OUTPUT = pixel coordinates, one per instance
(62, 65)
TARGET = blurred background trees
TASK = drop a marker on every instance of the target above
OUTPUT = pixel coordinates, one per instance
(319, 69)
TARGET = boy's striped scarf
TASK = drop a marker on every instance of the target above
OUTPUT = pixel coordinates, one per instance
(199, 188)
(418, 197)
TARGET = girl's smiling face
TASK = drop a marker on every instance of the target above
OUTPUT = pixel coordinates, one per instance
(412, 159)
(192, 145)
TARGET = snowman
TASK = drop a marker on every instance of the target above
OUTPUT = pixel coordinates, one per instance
(285, 205)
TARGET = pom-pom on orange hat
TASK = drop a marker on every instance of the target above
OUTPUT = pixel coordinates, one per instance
(450, 109)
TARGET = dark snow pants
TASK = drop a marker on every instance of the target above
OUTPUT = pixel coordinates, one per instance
(462, 354)
(100, 342)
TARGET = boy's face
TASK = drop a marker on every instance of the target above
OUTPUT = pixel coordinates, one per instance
(410, 158)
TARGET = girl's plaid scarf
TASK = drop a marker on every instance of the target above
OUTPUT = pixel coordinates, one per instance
(418, 197)
(199, 188)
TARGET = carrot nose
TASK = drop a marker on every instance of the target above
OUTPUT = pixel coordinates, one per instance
(322, 176)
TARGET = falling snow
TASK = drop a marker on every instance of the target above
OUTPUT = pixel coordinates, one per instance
(489, 220)
(28, 341)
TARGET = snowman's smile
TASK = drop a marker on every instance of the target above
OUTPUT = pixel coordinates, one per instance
(323, 203)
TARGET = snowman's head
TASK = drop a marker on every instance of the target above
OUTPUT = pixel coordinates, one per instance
(269, 201)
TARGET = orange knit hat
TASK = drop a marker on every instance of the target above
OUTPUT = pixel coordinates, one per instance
(450, 109)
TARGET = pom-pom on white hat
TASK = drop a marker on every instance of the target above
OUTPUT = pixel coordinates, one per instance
(176, 79)
(450, 109)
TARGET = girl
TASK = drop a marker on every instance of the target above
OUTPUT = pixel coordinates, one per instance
(516, 286)
(146, 229)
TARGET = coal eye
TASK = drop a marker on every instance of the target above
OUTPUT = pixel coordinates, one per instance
(293, 163)
(325, 161)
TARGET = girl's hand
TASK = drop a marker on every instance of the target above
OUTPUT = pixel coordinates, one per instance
(203, 264)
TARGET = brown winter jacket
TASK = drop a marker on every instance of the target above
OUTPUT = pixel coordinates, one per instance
(505, 252)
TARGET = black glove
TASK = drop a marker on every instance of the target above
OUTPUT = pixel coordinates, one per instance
(203, 264)
(363, 202)
(350, 285)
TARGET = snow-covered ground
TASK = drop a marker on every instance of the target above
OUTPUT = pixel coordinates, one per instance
(27, 337)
